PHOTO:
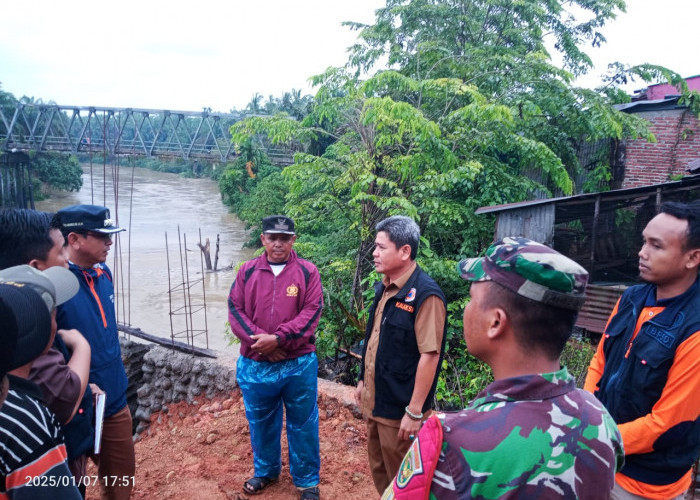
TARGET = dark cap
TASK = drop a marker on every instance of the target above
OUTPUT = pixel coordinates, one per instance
(532, 270)
(25, 326)
(8, 335)
(87, 218)
(278, 224)
(54, 285)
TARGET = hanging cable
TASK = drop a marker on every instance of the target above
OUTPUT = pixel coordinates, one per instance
(104, 160)
(128, 252)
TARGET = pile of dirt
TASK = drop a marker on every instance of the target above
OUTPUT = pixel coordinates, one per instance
(202, 451)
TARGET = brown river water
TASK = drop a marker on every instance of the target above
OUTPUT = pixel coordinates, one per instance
(158, 204)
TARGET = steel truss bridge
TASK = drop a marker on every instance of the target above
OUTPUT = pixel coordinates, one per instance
(189, 135)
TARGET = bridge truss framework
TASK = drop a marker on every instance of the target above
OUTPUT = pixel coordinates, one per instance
(188, 135)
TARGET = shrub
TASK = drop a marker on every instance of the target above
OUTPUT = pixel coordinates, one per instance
(463, 376)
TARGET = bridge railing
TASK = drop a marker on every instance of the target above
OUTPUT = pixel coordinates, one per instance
(123, 131)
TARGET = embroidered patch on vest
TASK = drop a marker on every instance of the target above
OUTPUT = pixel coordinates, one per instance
(412, 465)
(388, 494)
(661, 336)
(411, 295)
(292, 291)
(405, 307)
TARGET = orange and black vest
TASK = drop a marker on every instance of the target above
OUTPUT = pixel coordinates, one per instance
(632, 382)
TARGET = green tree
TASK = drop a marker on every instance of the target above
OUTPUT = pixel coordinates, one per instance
(469, 110)
(295, 105)
(251, 186)
(490, 43)
(7, 102)
(388, 157)
(254, 107)
(501, 47)
(58, 171)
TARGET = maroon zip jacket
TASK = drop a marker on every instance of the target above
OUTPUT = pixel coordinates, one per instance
(288, 305)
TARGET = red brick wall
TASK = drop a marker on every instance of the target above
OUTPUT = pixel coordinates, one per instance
(677, 134)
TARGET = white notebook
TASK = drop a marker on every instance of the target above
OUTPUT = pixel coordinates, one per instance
(99, 417)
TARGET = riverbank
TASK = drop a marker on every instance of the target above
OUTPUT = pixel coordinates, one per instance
(201, 450)
(192, 437)
(160, 377)
(159, 280)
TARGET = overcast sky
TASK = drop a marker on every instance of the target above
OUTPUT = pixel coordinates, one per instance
(174, 55)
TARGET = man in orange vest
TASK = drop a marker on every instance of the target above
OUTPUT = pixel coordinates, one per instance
(646, 370)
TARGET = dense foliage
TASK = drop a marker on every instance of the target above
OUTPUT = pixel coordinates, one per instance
(56, 170)
(463, 108)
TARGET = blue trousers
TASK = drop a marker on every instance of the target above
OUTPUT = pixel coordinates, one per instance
(266, 386)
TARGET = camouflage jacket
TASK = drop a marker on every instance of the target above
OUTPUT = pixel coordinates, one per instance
(534, 436)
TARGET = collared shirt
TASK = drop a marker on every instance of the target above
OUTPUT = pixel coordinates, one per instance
(430, 321)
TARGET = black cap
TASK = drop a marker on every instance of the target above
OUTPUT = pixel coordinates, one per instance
(278, 224)
(25, 328)
(88, 218)
(8, 336)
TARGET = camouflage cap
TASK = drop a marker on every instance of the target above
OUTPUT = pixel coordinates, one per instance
(532, 270)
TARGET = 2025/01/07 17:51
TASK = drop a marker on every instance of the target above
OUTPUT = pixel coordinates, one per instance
(55, 481)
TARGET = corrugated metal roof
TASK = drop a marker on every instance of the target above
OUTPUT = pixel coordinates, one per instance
(666, 103)
(694, 165)
(605, 195)
(517, 204)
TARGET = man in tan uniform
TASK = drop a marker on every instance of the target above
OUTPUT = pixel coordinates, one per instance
(404, 345)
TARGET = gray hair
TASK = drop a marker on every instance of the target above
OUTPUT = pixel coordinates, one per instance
(401, 231)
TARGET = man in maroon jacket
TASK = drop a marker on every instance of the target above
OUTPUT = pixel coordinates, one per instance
(274, 306)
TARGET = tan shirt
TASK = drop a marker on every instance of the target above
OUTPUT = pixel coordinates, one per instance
(429, 325)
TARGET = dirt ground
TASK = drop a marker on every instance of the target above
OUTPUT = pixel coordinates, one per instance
(202, 451)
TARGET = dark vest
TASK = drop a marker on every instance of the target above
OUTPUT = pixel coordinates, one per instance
(631, 386)
(397, 353)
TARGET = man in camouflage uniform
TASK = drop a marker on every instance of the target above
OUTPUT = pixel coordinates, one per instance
(531, 433)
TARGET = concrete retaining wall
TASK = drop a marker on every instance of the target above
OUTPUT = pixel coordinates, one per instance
(159, 376)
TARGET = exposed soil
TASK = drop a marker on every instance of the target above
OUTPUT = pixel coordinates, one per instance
(202, 451)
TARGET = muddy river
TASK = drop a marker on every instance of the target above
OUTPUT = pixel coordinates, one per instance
(161, 288)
